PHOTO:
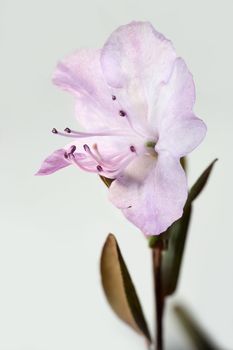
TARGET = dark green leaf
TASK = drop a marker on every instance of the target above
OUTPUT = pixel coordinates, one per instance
(197, 335)
(172, 257)
(201, 182)
(176, 236)
(119, 288)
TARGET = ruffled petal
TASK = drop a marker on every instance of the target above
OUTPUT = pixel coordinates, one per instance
(151, 193)
(183, 136)
(81, 74)
(54, 162)
(176, 98)
(135, 60)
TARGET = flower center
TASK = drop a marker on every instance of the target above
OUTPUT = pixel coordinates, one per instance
(150, 148)
(151, 144)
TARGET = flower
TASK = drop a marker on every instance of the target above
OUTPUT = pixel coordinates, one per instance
(134, 98)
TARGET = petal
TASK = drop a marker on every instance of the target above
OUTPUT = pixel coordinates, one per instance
(54, 162)
(183, 136)
(135, 60)
(81, 74)
(136, 50)
(176, 97)
(151, 193)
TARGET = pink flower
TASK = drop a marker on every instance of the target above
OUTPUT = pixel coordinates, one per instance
(134, 97)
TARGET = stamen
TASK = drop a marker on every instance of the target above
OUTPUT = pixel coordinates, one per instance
(120, 165)
(99, 168)
(76, 134)
(113, 97)
(108, 165)
(71, 152)
(132, 149)
(81, 166)
(67, 130)
(95, 148)
(122, 113)
(86, 148)
(72, 149)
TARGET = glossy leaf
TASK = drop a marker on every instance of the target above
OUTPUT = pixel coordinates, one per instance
(176, 236)
(119, 288)
(197, 335)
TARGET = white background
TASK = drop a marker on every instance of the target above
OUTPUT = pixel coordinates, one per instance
(53, 228)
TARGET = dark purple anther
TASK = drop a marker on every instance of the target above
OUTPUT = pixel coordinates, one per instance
(113, 97)
(86, 148)
(72, 149)
(122, 113)
(67, 130)
(66, 155)
(132, 149)
(54, 131)
(99, 168)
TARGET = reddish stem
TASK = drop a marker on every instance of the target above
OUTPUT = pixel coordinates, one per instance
(159, 298)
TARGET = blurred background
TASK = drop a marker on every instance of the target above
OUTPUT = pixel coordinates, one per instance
(53, 228)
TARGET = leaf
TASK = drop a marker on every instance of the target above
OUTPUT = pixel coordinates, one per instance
(201, 182)
(176, 236)
(172, 257)
(199, 338)
(119, 288)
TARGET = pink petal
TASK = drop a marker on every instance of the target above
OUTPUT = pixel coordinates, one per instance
(135, 60)
(137, 50)
(183, 136)
(81, 74)
(54, 162)
(151, 193)
(176, 97)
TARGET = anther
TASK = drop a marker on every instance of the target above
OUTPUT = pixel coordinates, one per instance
(132, 149)
(99, 168)
(72, 149)
(66, 155)
(113, 97)
(122, 113)
(67, 130)
(86, 148)
(54, 131)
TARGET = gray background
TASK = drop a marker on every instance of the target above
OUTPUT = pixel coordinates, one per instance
(53, 228)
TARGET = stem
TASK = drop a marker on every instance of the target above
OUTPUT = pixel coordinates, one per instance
(159, 298)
